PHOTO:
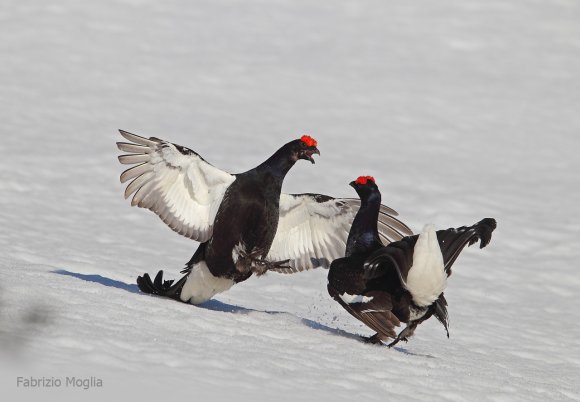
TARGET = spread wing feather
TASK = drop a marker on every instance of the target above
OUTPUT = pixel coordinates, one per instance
(174, 182)
(313, 230)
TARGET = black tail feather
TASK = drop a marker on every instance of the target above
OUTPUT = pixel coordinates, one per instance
(452, 241)
(440, 312)
(160, 287)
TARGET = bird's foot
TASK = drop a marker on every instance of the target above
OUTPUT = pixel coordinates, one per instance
(375, 339)
(276, 264)
(161, 287)
(259, 265)
(397, 340)
(405, 334)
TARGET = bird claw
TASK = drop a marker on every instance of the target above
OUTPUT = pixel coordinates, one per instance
(260, 264)
(397, 340)
(276, 264)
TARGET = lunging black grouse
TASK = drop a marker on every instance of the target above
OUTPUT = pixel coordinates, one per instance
(404, 281)
(244, 223)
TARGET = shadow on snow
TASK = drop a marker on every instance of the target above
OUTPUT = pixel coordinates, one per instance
(216, 305)
(100, 279)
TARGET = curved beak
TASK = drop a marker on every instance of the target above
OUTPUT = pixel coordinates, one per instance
(311, 151)
(352, 184)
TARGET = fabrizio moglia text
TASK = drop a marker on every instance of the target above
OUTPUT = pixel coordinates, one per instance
(59, 382)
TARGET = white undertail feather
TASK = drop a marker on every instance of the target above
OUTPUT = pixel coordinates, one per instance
(201, 285)
(427, 278)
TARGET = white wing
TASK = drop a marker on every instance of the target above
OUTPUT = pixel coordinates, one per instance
(175, 183)
(313, 230)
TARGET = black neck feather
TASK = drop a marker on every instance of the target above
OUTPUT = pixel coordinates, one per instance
(278, 164)
(364, 235)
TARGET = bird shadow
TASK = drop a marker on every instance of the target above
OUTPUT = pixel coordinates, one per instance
(334, 331)
(345, 334)
(100, 280)
(216, 305)
(407, 352)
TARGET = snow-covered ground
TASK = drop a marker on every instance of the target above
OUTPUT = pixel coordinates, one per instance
(461, 110)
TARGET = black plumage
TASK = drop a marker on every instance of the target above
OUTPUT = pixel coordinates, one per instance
(247, 217)
(244, 224)
(373, 281)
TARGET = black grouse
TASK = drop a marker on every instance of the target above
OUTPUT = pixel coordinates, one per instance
(243, 222)
(403, 281)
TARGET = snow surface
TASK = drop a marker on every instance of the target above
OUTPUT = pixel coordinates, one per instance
(460, 109)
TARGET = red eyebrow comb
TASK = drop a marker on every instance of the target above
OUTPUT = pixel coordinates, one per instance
(308, 140)
(364, 179)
